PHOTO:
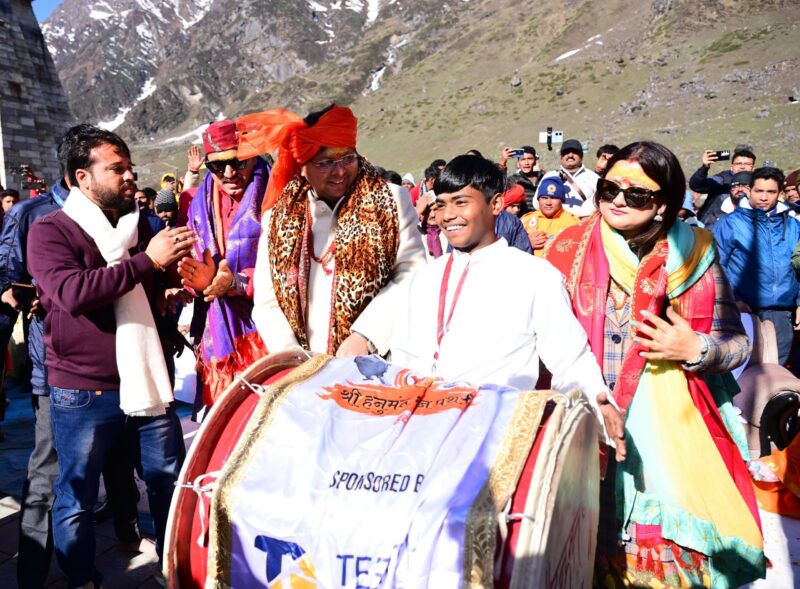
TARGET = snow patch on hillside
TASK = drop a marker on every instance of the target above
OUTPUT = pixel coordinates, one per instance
(391, 58)
(595, 40)
(373, 9)
(147, 90)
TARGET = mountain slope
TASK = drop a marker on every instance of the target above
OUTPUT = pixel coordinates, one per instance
(432, 79)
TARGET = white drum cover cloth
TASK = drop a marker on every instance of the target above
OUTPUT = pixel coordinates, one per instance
(364, 475)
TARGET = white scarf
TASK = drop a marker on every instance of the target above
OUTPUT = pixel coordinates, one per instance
(144, 387)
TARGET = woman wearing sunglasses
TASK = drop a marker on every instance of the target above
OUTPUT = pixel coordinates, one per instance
(660, 316)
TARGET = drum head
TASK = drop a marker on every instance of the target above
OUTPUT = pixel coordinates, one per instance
(555, 512)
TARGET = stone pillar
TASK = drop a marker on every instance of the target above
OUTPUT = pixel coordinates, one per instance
(33, 107)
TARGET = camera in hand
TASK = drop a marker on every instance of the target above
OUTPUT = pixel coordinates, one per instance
(517, 153)
(723, 154)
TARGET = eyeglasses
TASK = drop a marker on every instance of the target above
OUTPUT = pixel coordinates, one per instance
(635, 198)
(328, 165)
(218, 166)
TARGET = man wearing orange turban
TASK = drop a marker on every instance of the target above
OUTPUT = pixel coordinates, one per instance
(336, 237)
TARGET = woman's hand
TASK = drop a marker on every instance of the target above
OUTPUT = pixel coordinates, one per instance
(668, 340)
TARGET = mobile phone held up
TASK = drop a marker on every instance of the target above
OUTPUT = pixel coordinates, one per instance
(517, 153)
(723, 155)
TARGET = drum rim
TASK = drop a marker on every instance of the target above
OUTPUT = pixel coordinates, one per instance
(255, 374)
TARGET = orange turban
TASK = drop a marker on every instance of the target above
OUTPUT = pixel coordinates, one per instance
(513, 195)
(296, 141)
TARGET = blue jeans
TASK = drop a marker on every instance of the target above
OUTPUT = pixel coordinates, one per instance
(86, 426)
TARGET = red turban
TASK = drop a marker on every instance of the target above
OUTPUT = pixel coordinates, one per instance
(295, 140)
(219, 137)
(513, 195)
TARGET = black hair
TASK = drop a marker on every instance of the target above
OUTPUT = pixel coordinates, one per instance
(470, 170)
(79, 152)
(474, 152)
(431, 172)
(392, 177)
(68, 139)
(609, 148)
(438, 164)
(661, 165)
(9, 192)
(530, 149)
(314, 117)
(743, 152)
(150, 193)
(770, 173)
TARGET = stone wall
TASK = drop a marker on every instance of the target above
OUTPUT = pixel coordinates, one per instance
(33, 107)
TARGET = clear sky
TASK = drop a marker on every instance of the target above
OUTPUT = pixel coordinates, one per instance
(43, 8)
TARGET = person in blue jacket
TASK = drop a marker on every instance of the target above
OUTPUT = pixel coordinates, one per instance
(511, 228)
(755, 244)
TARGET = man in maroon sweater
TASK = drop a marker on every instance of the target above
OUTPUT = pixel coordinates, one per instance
(94, 263)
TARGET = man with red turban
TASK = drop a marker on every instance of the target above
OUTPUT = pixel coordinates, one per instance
(226, 215)
(335, 241)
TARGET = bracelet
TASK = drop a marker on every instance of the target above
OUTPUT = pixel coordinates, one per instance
(197, 171)
(156, 264)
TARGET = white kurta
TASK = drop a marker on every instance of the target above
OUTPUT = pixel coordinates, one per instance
(512, 310)
(270, 321)
(586, 179)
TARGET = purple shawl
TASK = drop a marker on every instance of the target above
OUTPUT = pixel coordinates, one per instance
(229, 318)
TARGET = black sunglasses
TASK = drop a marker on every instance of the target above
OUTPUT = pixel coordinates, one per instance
(218, 166)
(635, 198)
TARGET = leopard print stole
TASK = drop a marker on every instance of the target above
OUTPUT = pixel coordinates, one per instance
(367, 240)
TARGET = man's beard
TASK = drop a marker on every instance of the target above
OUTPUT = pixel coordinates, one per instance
(114, 200)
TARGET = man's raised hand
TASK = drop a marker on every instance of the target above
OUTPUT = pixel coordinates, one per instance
(170, 245)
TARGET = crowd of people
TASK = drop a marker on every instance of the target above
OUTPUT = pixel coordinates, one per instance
(602, 280)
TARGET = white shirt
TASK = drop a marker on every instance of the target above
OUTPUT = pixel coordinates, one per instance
(584, 178)
(512, 310)
(270, 321)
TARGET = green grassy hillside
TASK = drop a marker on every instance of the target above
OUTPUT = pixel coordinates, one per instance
(692, 75)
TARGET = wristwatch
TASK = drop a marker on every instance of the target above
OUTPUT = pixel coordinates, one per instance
(703, 351)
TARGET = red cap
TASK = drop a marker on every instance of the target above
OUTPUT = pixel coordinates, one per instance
(220, 136)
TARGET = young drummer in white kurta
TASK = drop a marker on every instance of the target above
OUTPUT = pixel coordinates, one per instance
(488, 312)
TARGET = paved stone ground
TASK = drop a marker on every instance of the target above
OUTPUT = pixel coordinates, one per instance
(120, 570)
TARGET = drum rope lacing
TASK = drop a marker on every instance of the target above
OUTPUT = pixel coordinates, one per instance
(256, 388)
(503, 519)
(201, 491)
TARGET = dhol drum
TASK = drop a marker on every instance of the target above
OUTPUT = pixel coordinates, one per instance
(186, 541)
(546, 535)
